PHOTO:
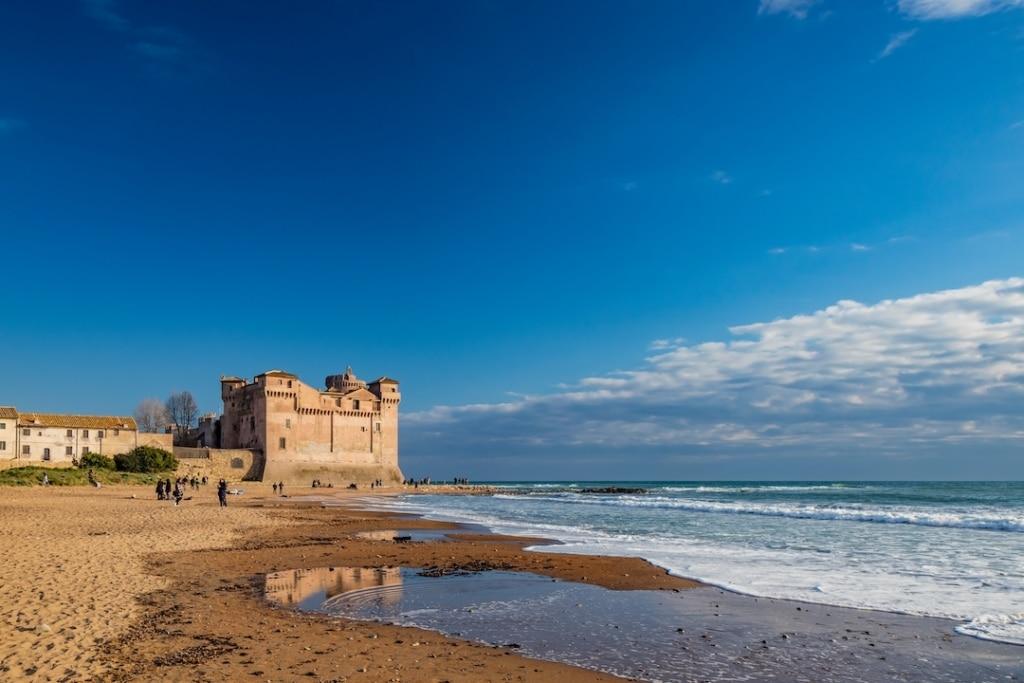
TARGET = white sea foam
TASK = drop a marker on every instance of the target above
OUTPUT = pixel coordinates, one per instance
(1006, 628)
(968, 519)
(931, 561)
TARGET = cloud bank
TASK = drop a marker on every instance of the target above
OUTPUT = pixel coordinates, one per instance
(954, 9)
(897, 376)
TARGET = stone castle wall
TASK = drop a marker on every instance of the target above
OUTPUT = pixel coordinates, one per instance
(232, 464)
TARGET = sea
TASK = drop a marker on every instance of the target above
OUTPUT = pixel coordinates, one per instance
(943, 549)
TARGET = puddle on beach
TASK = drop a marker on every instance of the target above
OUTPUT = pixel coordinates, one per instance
(705, 633)
(413, 535)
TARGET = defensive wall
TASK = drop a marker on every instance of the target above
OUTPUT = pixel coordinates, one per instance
(233, 464)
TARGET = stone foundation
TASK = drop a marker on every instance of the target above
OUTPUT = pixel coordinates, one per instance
(341, 475)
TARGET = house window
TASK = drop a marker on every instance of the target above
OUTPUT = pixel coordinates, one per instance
(68, 450)
(116, 432)
(85, 450)
(100, 434)
(69, 434)
(3, 425)
(46, 454)
(280, 443)
(26, 432)
(26, 450)
(3, 445)
(85, 433)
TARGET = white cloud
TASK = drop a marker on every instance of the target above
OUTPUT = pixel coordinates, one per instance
(160, 44)
(796, 8)
(954, 9)
(856, 246)
(721, 177)
(897, 41)
(898, 375)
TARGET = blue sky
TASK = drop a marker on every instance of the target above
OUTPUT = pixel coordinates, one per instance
(502, 204)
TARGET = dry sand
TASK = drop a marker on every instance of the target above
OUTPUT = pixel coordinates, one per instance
(74, 565)
(97, 585)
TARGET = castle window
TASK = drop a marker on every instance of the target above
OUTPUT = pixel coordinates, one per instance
(355, 404)
(3, 445)
(26, 450)
(69, 434)
(46, 454)
(281, 443)
(337, 401)
(26, 432)
(68, 450)
(289, 384)
(288, 423)
(376, 426)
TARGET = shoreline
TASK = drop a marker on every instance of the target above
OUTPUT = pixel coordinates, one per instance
(197, 610)
(956, 623)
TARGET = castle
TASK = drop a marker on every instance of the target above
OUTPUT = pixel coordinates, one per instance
(347, 432)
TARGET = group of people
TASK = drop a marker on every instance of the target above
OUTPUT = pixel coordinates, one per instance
(317, 484)
(376, 483)
(168, 490)
(165, 491)
(415, 483)
(279, 488)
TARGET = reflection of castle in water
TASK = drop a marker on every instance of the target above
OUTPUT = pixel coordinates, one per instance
(290, 588)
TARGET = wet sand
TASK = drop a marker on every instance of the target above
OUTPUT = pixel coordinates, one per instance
(100, 586)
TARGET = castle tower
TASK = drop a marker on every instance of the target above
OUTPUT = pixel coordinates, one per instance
(345, 382)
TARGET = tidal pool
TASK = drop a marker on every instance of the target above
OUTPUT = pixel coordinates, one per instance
(704, 634)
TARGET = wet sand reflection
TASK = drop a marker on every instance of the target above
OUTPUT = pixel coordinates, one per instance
(307, 588)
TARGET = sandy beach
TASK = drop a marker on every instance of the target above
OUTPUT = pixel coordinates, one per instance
(111, 584)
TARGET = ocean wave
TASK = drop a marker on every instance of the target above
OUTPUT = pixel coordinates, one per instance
(1002, 628)
(879, 515)
(764, 488)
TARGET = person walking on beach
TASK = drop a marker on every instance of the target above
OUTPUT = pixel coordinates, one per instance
(280, 488)
(178, 494)
(222, 493)
(275, 488)
(160, 489)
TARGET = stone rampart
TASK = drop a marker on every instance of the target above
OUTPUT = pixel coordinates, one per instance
(233, 464)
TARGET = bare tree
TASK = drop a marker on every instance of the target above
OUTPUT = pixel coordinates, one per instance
(183, 411)
(151, 415)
